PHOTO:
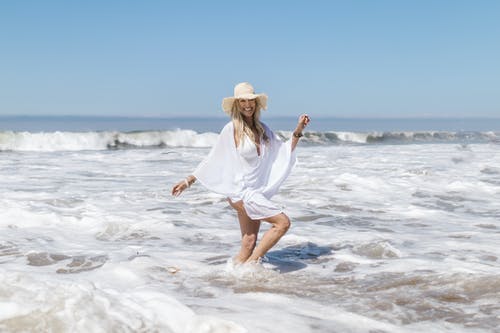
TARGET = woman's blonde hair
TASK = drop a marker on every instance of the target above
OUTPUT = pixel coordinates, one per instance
(240, 126)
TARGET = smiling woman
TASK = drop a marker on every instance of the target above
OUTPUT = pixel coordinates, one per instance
(245, 113)
(248, 164)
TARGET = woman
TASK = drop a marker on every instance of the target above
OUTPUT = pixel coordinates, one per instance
(247, 165)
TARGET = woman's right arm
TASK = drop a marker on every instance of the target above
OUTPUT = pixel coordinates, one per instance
(297, 133)
(183, 185)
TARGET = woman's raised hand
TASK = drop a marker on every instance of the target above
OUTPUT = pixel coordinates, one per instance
(303, 121)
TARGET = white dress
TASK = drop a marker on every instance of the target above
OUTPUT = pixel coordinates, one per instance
(240, 173)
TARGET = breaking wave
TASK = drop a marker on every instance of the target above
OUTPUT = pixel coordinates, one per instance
(74, 141)
(322, 138)
(61, 141)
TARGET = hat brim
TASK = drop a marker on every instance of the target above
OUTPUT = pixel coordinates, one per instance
(227, 103)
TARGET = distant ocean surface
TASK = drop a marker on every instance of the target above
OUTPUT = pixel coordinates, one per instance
(395, 228)
(82, 124)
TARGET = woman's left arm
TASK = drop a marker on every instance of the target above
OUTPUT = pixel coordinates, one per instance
(297, 133)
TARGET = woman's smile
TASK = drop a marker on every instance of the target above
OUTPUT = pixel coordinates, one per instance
(247, 107)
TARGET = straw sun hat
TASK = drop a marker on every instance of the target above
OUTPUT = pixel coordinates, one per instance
(243, 90)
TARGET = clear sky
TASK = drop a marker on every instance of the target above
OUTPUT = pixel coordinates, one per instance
(420, 58)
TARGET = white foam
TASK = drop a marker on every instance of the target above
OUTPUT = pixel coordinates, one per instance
(93, 241)
(85, 307)
(377, 250)
(352, 137)
(74, 141)
(54, 141)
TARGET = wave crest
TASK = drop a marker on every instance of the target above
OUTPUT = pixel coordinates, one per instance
(74, 141)
(322, 138)
(69, 141)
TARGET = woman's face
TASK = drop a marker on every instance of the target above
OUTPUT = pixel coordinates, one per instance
(247, 107)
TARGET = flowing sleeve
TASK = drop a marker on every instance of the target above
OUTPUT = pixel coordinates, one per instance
(281, 162)
(219, 171)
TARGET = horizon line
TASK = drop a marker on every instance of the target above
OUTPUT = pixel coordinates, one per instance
(268, 117)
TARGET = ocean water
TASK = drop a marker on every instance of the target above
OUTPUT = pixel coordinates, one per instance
(395, 228)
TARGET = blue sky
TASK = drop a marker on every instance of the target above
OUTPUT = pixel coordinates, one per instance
(381, 58)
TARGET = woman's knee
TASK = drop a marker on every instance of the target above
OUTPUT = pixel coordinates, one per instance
(283, 223)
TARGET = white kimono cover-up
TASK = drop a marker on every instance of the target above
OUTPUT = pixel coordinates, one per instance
(239, 173)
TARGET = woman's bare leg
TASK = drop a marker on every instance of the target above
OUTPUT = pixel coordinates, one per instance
(280, 225)
(249, 232)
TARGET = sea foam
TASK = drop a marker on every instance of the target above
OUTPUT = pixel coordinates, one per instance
(384, 237)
